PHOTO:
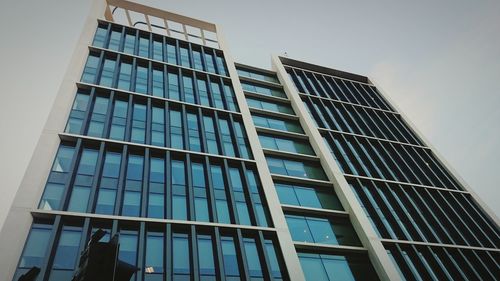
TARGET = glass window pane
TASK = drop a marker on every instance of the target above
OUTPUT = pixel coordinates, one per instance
(154, 252)
(298, 228)
(181, 262)
(36, 247)
(206, 255)
(313, 267)
(231, 268)
(67, 249)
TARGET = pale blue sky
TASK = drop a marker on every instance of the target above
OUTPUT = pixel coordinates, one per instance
(439, 61)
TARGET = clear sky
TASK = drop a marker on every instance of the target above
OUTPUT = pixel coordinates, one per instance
(439, 61)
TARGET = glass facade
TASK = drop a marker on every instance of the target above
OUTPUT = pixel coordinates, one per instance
(159, 148)
(423, 216)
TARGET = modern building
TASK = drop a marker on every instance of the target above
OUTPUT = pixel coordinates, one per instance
(213, 170)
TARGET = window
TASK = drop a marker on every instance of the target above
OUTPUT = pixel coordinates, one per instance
(253, 261)
(141, 80)
(221, 203)
(231, 267)
(108, 71)
(221, 66)
(187, 82)
(255, 187)
(198, 62)
(227, 140)
(36, 246)
(320, 230)
(176, 137)
(83, 181)
(259, 76)
(181, 262)
(230, 98)
(109, 184)
(217, 95)
(206, 258)
(171, 53)
(143, 47)
(154, 254)
(242, 140)
(78, 112)
(201, 211)
(158, 50)
(67, 249)
(264, 90)
(125, 76)
(203, 92)
(173, 86)
(307, 197)
(285, 144)
(210, 135)
(239, 196)
(179, 192)
(158, 83)
(54, 189)
(273, 259)
(209, 62)
(90, 70)
(133, 186)
(114, 40)
(128, 247)
(295, 168)
(336, 267)
(271, 106)
(100, 36)
(277, 124)
(129, 46)
(119, 120)
(158, 127)
(184, 52)
(138, 123)
(193, 132)
(98, 117)
(156, 200)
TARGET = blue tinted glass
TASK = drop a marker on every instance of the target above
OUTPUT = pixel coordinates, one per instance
(112, 165)
(299, 229)
(206, 255)
(131, 203)
(322, 231)
(88, 162)
(51, 199)
(307, 197)
(105, 201)
(36, 247)
(286, 194)
(128, 247)
(134, 168)
(337, 268)
(67, 249)
(181, 249)
(79, 199)
(154, 252)
(273, 259)
(252, 256)
(63, 159)
(229, 257)
(313, 268)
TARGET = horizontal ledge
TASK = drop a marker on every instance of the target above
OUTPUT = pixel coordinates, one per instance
(290, 155)
(478, 248)
(328, 248)
(350, 103)
(373, 138)
(406, 183)
(314, 211)
(45, 213)
(291, 179)
(67, 136)
(158, 98)
(281, 133)
(158, 62)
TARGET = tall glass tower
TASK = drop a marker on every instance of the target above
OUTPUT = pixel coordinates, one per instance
(213, 170)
